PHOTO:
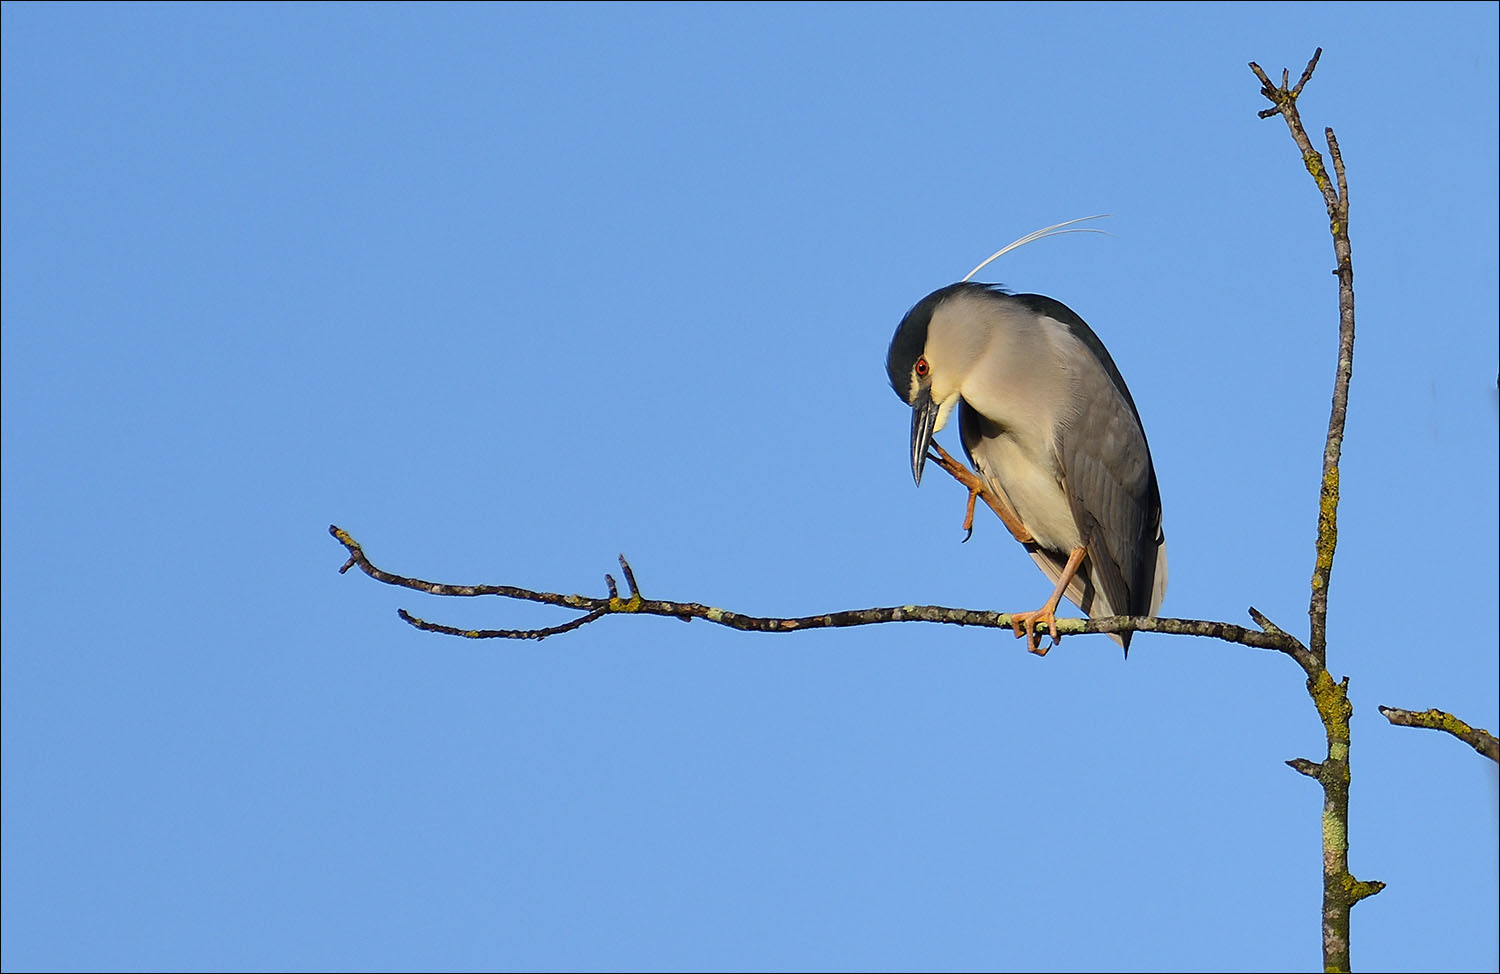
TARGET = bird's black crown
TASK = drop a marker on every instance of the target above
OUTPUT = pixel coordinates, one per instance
(911, 335)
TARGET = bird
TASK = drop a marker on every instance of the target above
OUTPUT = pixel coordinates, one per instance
(1052, 431)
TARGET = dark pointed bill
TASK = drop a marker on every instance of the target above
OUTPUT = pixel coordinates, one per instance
(924, 413)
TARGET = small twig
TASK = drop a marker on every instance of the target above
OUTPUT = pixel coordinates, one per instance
(1303, 766)
(1338, 170)
(1478, 738)
(629, 577)
(1264, 623)
(1281, 95)
(537, 634)
(1307, 73)
(357, 558)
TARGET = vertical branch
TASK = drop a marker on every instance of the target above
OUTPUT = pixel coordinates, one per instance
(1340, 889)
(1336, 199)
(1328, 502)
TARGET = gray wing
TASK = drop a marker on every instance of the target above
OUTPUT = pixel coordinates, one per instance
(1112, 489)
(1108, 474)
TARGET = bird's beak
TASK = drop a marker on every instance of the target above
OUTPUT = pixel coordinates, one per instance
(924, 414)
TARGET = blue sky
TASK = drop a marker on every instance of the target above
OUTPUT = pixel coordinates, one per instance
(507, 290)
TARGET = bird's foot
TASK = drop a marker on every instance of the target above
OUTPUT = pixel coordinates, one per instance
(969, 514)
(1024, 624)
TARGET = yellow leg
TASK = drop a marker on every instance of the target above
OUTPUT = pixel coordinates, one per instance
(969, 514)
(1024, 623)
(997, 502)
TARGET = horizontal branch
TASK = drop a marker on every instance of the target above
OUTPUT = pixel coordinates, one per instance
(635, 604)
(1478, 738)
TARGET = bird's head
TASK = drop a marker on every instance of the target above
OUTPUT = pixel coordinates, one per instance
(933, 351)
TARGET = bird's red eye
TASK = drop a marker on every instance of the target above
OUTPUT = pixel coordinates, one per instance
(922, 368)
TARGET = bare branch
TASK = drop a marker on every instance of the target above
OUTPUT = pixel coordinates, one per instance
(1264, 623)
(629, 577)
(1478, 738)
(1336, 200)
(1307, 73)
(1340, 889)
(1303, 766)
(357, 559)
(537, 634)
(1338, 171)
(597, 608)
(1281, 95)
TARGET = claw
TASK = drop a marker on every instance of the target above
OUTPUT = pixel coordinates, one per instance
(1047, 614)
(969, 515)
(1024, 624)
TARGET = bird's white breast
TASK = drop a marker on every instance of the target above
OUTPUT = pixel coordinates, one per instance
(1027, 397)
(1032, 485)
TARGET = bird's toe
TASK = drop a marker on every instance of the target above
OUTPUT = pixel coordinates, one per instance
(1024, 624)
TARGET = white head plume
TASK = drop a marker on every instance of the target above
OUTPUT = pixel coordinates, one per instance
(1056, 230)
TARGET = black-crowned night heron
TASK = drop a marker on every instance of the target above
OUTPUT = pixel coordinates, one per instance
(1051, 429)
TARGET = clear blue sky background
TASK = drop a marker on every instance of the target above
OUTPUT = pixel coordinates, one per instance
(507, 290)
